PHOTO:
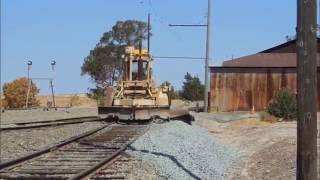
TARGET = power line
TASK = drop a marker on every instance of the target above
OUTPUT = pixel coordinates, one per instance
(156, 17)
(178, 57)
(187, 25)
(208, 46)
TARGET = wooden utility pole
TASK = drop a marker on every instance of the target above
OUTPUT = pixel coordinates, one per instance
(149, 33)
(307, 89)
(206, 71)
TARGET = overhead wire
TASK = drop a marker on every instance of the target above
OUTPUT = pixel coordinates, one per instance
(179, 57)
(157, 18)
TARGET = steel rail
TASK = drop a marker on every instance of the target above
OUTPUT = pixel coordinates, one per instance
(50, 148)
(85, 149)
(103, 162)
(107, 162)
(38, 124)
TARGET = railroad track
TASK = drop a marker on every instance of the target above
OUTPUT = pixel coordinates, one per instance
(38, 124)
(74, 158)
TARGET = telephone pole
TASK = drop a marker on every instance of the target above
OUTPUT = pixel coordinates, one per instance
(307, 89)
(206, 71)
(207, 59)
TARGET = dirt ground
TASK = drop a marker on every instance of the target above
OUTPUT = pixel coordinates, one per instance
(267, 150)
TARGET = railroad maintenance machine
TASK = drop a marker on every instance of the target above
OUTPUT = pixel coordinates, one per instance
(136, 97)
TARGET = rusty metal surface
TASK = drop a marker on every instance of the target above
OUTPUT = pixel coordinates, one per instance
(245, 89)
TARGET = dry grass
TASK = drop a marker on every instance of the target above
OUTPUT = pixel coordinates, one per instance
(78, 100)
(250, 122)
(66, 100)
(264, 116)
(178, 102)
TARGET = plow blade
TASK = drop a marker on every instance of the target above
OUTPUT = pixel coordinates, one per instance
(143, 113)
(134, 113)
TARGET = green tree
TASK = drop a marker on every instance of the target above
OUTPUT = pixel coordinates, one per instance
(165, 83)
(95, 93)
(103, 64)
(15, 93)
(192, 88)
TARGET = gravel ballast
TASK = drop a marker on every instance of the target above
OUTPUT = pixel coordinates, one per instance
(21, 142)
(181, 151)
(20, 116)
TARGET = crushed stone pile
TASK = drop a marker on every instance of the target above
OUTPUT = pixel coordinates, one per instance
(181, 151)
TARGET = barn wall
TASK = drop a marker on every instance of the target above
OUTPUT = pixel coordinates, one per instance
(242, 89)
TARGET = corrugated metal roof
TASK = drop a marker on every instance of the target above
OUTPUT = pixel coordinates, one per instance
(265, 60)
(285, 45)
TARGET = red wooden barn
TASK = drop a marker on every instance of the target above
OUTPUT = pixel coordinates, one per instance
(249, 82)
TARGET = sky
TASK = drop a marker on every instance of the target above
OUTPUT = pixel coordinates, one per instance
(65, 31)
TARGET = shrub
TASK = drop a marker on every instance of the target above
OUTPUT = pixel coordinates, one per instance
(264, 116)
(3, 103)
(96, 93)
(283, 105)
(15, 93)
(74, 100)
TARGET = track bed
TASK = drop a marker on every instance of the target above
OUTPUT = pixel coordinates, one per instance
(48, 123)
(75, 158)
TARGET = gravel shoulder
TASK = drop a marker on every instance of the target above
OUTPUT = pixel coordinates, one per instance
(273, 162)
(267, 150)
(180, 151)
